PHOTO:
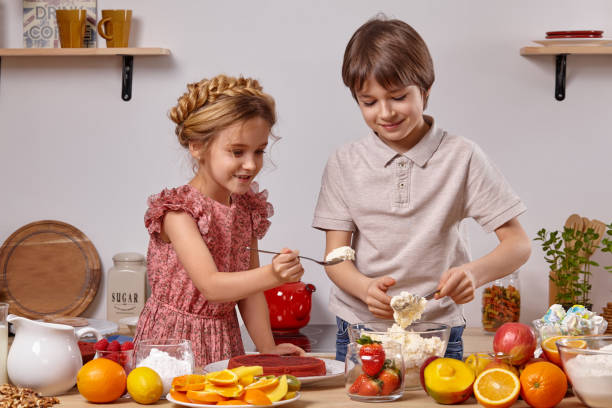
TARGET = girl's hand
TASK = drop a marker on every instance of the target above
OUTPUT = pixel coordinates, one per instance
(458, 283)
(285, 349)
(287, 266)
(377, 299)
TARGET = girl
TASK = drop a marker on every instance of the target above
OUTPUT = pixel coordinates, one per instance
(198, 264)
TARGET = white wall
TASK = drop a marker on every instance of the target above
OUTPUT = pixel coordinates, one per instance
(72, 150)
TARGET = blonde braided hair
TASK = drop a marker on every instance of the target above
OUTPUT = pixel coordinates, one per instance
(212, 105)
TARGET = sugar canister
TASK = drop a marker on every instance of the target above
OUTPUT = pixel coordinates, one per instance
(126, 291)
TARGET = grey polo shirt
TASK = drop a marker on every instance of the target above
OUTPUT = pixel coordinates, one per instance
(405, 211)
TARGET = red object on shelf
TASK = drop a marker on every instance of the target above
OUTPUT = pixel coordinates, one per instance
(575, 32)
(289, 306)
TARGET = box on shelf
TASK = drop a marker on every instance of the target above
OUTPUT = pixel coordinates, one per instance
(40, 24)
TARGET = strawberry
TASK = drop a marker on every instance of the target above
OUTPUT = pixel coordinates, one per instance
(101, 345)
(390, 380)
(128, 345)
(370, 387)
(372, 355)
(357, 384)
(114, 346)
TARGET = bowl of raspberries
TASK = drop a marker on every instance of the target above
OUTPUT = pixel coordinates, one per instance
(122, 353)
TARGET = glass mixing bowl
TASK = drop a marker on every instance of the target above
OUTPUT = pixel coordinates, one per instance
(419, 341)
(587, 361)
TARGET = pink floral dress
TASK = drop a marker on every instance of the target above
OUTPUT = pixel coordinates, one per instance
(176, 309)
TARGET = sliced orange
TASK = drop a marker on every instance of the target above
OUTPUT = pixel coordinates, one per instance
(228, 391)
(204, 397)
(178, 395)
(231, 402)
(497, 388)
(552, 352)
(265, 384)
(189, 382)
(225, 377)
(256, 397)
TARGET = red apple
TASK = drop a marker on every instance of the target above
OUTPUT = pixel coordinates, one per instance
(422, 372)
(517, 340)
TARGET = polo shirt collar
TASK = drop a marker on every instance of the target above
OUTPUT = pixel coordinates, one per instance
(419, 154)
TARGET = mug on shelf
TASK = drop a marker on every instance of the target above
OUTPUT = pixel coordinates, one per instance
(71, 26)
(115, 27)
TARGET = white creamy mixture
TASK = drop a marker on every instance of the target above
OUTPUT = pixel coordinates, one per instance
(344, 253)
(167, 366)
(407, 308)
(592, 377)
(415, 350)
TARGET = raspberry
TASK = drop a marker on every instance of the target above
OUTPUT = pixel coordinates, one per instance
(101, 345)
(113, 356)
(128, 345)
(114, 346)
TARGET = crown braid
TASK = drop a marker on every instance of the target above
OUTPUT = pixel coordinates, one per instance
(208, 92)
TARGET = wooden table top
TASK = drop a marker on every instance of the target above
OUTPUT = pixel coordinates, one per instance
(331, 394)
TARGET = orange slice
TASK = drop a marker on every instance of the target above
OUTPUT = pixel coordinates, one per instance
(178, 395)
(189, 382)
(497, 388)
(228, 391)
(265, 384)
(552, 352)
(231, 402)
(256, 397)
(225, 377)
(204, 397)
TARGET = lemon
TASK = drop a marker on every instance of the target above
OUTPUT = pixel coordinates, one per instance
(144, 385)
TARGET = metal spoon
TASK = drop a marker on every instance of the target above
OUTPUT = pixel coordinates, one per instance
(324, 263)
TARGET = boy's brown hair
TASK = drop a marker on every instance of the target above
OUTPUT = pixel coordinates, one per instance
(392, 52)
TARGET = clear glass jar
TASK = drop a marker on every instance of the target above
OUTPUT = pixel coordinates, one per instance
(387, 384)
(501, 302)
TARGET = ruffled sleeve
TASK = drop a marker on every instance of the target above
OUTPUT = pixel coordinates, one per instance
(182, 198)
(260, 209)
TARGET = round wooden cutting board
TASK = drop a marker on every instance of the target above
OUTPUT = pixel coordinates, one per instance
(48, 268)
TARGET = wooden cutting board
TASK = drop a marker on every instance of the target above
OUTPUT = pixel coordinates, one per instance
(48, 268)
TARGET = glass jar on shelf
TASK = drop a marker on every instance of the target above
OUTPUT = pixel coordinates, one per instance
(501, 302)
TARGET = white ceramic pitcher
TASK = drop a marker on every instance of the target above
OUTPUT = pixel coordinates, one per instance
(45, 356)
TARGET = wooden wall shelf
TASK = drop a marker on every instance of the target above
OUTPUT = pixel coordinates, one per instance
(561, 53)
(127, 55)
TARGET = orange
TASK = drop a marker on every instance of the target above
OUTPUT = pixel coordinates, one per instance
(225, 377)
(256, 397)
(188, 382)
(497, 388)
(204, 397)
(230, 391)
(550, 348)
(543, 384)
(231, 402)
(264, 384)
(101, 380)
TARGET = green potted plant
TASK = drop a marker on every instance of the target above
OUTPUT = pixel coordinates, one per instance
(568, 254)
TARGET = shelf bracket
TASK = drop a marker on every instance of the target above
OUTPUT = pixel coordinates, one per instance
(126, 77)
(560, 77)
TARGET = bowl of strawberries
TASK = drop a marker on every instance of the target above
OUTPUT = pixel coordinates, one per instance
(122, 353)
(374, 372)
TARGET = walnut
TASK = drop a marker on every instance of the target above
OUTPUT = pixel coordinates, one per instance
(18, 397)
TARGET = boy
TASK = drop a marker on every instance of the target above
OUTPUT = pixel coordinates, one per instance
(399, 194)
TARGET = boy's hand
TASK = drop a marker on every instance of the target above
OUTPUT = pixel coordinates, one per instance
(377, 299)
(457, 283)
(287, 266)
